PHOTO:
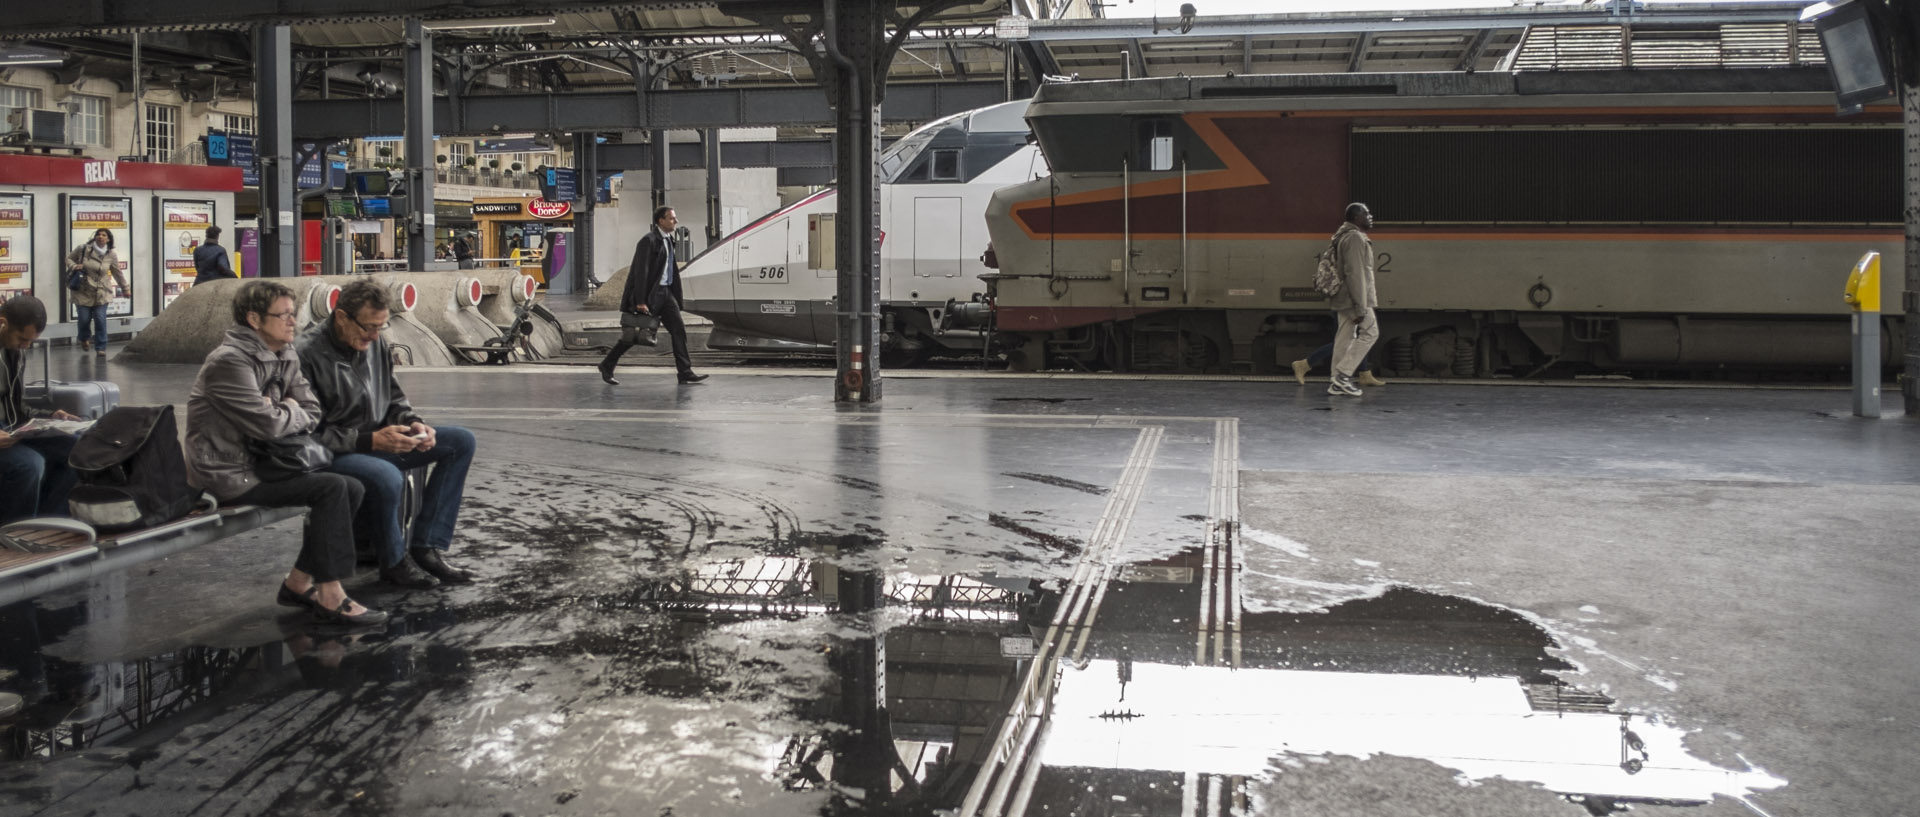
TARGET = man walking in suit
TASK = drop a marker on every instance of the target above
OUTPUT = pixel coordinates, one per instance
(653, 288)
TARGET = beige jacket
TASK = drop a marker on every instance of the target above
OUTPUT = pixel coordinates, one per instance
(1355, 251)
(242, 394)
(103, 274)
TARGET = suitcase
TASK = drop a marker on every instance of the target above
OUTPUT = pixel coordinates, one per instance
(87, 399)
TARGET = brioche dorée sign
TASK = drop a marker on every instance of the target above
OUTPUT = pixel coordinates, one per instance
(541, 208)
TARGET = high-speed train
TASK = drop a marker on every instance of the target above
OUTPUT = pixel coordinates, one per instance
(774, 279)
(1580, 221)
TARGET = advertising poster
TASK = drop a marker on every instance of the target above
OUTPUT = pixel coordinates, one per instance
(183, 225)
(86, 214)
(16, 245)
(246, 256)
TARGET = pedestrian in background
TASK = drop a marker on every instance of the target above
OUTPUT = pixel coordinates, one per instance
(653, 288)
(100, 282)
(1355, 303)
(211, 260)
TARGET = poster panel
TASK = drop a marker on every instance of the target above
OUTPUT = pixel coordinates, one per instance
(16, 245)
(183, 225)
(85, 214)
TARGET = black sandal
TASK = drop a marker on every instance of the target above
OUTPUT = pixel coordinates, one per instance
(288, 598)
(338, 615)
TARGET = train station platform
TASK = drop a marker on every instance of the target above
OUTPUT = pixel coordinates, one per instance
(1092, 595)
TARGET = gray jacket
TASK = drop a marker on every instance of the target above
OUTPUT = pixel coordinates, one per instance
(103, 274)
(241, 394)
(1355, 251)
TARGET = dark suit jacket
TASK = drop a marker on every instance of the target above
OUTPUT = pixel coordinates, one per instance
(643, 275)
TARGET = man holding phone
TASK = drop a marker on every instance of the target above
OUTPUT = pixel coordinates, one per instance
(375, 437)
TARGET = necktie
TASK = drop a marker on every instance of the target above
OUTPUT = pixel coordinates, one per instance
(666, 276)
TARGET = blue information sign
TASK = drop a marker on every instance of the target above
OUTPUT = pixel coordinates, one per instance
(562, 184)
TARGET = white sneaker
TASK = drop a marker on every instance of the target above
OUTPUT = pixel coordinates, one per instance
(1342, 385)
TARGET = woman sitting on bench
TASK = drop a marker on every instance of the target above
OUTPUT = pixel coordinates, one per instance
(251, 389)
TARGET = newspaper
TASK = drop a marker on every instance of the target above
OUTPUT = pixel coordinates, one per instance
(44, 427)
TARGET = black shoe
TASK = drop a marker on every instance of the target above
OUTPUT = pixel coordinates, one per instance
(431, 561)
(606, 373)
(689, 379)
(405, 573)
(339, 615)
(288, 598)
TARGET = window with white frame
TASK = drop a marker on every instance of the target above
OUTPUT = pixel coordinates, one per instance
(163, 131)
(234, 123)
(11, 98)
(87, 120)
(458, 152)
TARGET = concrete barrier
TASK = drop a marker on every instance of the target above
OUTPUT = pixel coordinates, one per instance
(608, 295)
(193, 325)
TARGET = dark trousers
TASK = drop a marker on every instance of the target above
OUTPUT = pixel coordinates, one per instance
(34, 477)
(667, 310)
(382, 477)
(331, 500)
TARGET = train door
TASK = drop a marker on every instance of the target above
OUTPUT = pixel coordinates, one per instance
(763, 282)
(937, 228)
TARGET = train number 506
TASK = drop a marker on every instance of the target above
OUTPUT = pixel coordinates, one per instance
(773, 273)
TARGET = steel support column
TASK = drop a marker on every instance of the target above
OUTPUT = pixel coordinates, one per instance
(1910, 300)
(711, 138)
(279, 216)
(419, 143)
(659, 169)
(586, 155)
(854, 35)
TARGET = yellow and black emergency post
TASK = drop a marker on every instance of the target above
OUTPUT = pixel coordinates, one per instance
(1863, 294)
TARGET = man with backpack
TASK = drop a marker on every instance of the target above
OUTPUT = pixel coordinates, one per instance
(1354, 300)
(34, 476)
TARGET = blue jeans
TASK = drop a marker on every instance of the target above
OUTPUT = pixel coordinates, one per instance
(381, 474)
(95, 317)
(34, 477)
(1322, 357)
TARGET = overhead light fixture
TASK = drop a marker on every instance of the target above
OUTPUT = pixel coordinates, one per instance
(490, 22)
(1440, 40)
(1168, 45)
(29, 55)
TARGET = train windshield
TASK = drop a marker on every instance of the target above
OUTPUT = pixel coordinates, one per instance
(899, 156)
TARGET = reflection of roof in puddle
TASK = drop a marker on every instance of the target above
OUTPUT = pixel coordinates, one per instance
(1226, 721)
(793, 585)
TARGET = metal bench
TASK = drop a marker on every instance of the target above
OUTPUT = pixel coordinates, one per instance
(38, 556)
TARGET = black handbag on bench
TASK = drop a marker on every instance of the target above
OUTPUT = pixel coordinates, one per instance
(290, 456)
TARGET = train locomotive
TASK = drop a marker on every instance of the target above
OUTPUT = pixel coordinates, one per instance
(1612, 222)
(771, 284)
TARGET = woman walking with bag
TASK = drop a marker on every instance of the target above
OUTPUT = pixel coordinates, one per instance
(93, 281)
(247, 417)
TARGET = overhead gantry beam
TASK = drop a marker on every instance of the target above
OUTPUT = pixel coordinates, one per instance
(1123, 29)
(25, 20)
(482, 115)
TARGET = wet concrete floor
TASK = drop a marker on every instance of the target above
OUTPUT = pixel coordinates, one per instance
(1037, 596)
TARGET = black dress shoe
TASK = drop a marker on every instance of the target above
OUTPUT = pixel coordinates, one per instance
(338, 615)
(692, 378)
(288, 598)
(606, 373)
(405, 573)
(431, 561)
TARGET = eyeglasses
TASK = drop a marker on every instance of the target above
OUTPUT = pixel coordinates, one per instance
(282, 316)
(374, 329)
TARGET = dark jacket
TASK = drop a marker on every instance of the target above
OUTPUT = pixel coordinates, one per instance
(13, 382)
(212, 262)
(241, 394)
(357, 392)
(643, 275)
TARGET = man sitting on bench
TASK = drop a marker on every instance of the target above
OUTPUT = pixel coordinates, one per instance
(34, 477)
(375, 436)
